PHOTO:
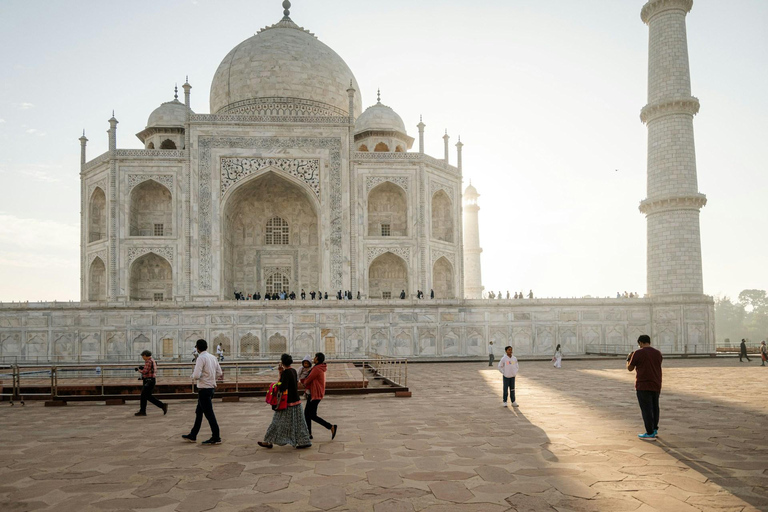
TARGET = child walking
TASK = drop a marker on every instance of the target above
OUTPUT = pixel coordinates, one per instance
(306, 367)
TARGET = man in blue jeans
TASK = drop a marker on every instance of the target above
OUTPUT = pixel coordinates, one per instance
(508, 367)
(207, 372)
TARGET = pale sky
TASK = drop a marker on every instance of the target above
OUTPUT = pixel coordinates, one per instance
(546, 96)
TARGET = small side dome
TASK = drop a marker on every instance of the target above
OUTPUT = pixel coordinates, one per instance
(380, 117)
(471, 191)
(171, 114)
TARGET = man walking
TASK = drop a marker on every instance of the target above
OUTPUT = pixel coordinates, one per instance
(207, 371)
(647, 362)
(743, 351)
(490, 353)
(148, 379)
(508, 367)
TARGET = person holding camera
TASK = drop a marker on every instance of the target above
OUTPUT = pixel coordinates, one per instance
(646, 361)
(148, 379)
(207, 371)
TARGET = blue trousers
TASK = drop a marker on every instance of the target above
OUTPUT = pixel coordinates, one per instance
(509, 386)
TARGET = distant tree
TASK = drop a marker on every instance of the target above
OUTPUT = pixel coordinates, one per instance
(729, 320)
(755, 304)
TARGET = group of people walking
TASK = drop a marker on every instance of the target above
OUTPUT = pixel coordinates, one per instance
(743, 352)
(290, 425)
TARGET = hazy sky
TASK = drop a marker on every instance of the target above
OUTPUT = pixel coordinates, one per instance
(546, 96)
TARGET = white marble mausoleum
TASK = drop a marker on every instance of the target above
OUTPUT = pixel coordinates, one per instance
(289, 184)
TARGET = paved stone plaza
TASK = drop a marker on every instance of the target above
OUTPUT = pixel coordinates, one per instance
(570, 446)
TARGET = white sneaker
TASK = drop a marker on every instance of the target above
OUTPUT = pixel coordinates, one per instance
(503, 404)
(514, 404)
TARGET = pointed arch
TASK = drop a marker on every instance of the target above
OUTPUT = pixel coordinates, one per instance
(387, 210)
(399, 149)
(151, 278)
(381, 147)
(151, 211)
(167, 144)
(97, 280)
(387, 276)
(97, 215)
(442, 217)
(363, 148)
(443, 279)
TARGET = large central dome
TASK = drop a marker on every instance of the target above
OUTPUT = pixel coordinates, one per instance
(283, 70)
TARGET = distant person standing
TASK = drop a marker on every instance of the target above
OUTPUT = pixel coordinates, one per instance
(207, 371)
(148, 379)
(743, 351)
(508, 366)
(530, 294)
(220, 352)
(558, 357)
(490, 353)
(763, 352)
(431, 293)
(646, 361)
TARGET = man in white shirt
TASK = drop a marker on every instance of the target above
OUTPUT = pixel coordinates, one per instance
(207, 371)
(508, 367)
(220, 352)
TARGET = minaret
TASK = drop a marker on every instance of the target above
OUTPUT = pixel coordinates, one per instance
(83, 143)
(673, 202)
(187, 88)
(473, 282)
(459, 145)
(421, 126)
(112, 132)
(446, 138)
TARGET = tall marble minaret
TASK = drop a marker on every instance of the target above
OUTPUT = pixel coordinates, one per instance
(673, 202)
(473, 282)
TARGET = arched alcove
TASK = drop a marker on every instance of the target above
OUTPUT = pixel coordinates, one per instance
(151, 278)
(381, 148)
(97, 280)
(442, 279)
(150, 145)
(363, 148)
(278, 344)
(151, 210)
(442, 217)
(249, 345)
(97, 216)
(167, 144)
(387, 211)
(387, 277)
(399, 149)
(270, 226)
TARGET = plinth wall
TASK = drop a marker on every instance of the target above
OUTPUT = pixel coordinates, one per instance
(413, 329)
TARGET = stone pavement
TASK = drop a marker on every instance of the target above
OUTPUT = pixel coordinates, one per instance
(571, 446)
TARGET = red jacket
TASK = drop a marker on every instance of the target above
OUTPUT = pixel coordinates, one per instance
(315, 381)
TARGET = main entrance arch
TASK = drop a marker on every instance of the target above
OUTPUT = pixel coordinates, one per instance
(270, 228)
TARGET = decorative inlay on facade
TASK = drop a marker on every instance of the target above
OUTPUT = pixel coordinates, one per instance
(136, 252)
(434, 186)
(372, 181)
(293, 107)
(235, 169)
(688, 106)
(102, 184)
(206, 144)
(436, 255)
(692, 202)
(163, 179)
(172, 154)
(270, 271)
(98, 254)
(654, 7)
(375, 252)
(416, 157)
(245, 119)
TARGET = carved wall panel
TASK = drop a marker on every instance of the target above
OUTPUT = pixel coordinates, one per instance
(387, 210)
(236, 169)
(388, 274)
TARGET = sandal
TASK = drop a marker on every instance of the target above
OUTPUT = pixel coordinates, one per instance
(264, 445)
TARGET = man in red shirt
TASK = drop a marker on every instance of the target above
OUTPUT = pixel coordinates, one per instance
(647, 362)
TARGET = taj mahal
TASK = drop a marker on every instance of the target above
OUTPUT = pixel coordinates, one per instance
(291, 184)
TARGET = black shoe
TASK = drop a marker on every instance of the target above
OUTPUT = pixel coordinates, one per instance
(333, 431)
(140, 413)
(303, 446)
(211, 442)
(164, 407)
(310, 436)
(189, 438)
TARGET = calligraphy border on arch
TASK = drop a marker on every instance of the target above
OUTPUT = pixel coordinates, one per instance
(164, 179)
(205, 199)
(137, 252)
(375, 252)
